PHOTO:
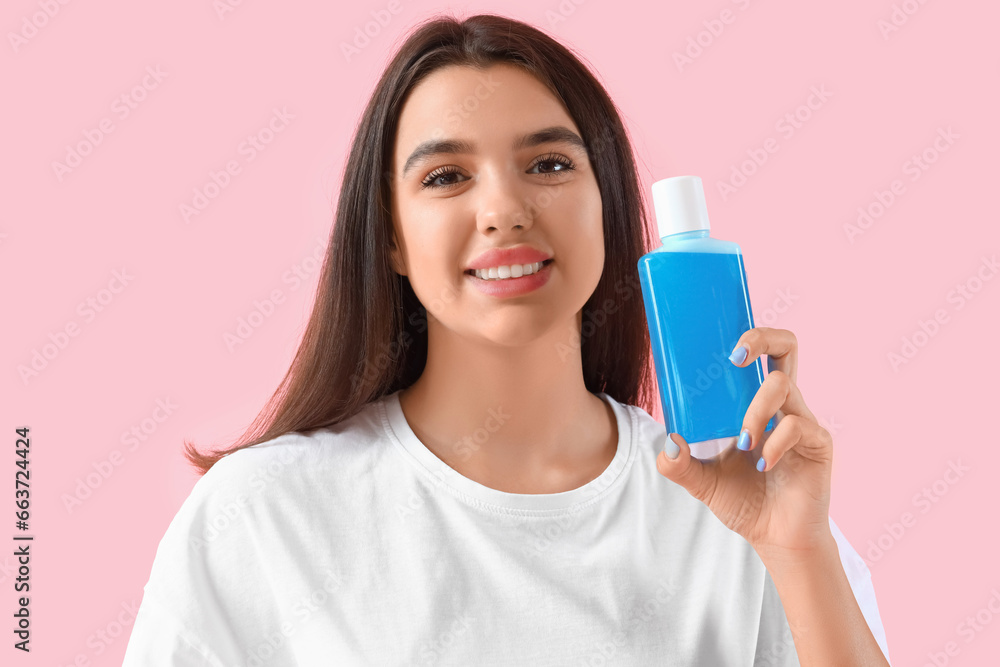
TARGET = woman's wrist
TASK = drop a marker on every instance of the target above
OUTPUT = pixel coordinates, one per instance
(787, 563)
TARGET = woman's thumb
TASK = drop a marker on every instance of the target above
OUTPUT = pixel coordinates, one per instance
(676, 464)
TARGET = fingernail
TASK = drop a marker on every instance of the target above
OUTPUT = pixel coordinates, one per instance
(739, 355)
(744, 441)
(761, 464)
(671, 448)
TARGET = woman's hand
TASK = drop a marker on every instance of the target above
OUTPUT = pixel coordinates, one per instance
(783, 510)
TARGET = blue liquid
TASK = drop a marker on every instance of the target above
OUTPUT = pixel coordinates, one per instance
(697, 306)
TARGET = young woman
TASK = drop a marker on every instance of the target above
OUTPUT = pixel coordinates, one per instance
(460, 467)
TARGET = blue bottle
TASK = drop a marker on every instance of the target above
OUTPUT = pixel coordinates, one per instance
(694, 288)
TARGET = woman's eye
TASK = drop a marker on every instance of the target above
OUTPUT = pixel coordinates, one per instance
(434, 176)
(557, 163)
(564, 165)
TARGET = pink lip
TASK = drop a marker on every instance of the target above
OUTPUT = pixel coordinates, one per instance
(511, 287)
(507, 256)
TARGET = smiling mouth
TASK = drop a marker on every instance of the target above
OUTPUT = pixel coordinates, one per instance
(472, 272)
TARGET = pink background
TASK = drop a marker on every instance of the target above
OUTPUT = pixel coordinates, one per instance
(161, 337)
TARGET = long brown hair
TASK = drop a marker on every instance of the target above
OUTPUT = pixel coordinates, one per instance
(367, 333)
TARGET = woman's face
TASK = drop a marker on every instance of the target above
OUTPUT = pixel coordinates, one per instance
(449, 206)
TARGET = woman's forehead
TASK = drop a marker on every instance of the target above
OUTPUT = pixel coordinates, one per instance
(472, 109)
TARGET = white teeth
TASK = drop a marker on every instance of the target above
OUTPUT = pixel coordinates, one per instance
(504, 272)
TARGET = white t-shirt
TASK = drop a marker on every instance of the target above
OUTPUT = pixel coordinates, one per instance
(356, 545)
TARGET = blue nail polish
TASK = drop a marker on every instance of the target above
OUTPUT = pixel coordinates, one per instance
(671, 448)
(761, 464)
(744, 440)
(739, 355)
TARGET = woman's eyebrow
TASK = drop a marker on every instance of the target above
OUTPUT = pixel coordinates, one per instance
(433, 147)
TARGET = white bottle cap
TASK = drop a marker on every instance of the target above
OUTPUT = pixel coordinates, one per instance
(679, 203)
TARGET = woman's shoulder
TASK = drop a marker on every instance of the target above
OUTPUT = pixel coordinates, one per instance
(273, 454)
(276, 475)
(295, 456)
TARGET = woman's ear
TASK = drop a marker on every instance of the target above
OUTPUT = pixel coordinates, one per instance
(396, 257)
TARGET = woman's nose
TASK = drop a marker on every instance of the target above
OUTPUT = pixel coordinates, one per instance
(501, 205)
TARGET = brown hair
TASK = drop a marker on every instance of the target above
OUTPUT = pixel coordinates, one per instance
(366, 336)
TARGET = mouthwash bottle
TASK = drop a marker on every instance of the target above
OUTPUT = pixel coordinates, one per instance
(694, 288)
